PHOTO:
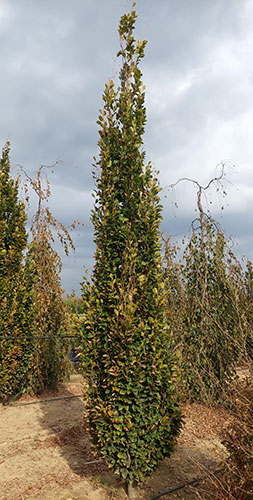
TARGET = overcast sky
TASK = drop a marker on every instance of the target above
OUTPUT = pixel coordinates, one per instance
(55, 57)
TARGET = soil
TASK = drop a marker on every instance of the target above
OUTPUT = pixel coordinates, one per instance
(45, 452)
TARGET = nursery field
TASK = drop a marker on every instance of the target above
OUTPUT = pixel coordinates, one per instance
(45, 452)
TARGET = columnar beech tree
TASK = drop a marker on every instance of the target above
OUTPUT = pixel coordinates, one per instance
(16, 345)
(133, 412)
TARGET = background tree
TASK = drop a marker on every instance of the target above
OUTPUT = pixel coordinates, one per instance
(16, 310)
(175, 306)
(214, 320)
(212, 324)
(75, 303)
(53, 318)
(133, 413)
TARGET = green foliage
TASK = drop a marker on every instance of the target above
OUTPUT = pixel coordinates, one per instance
(213, 318)
(51, 318)
(127, 347)
(74, 303)
(16, 311)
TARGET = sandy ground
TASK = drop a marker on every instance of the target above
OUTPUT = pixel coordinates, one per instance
(45, 453)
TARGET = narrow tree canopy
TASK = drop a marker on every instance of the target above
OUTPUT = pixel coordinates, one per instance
(16, 311)
(133, 412)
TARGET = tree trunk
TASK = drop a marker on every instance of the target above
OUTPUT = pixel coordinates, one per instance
(132, 491)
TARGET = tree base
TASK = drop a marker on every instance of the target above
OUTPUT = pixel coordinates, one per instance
(132, 491)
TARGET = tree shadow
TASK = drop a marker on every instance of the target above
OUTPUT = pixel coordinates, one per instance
(64, 420)
(66, 428)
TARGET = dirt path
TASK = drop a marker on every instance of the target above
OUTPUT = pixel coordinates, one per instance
(45, 453)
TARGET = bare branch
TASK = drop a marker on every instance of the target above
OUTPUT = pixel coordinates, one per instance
(204, 188)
